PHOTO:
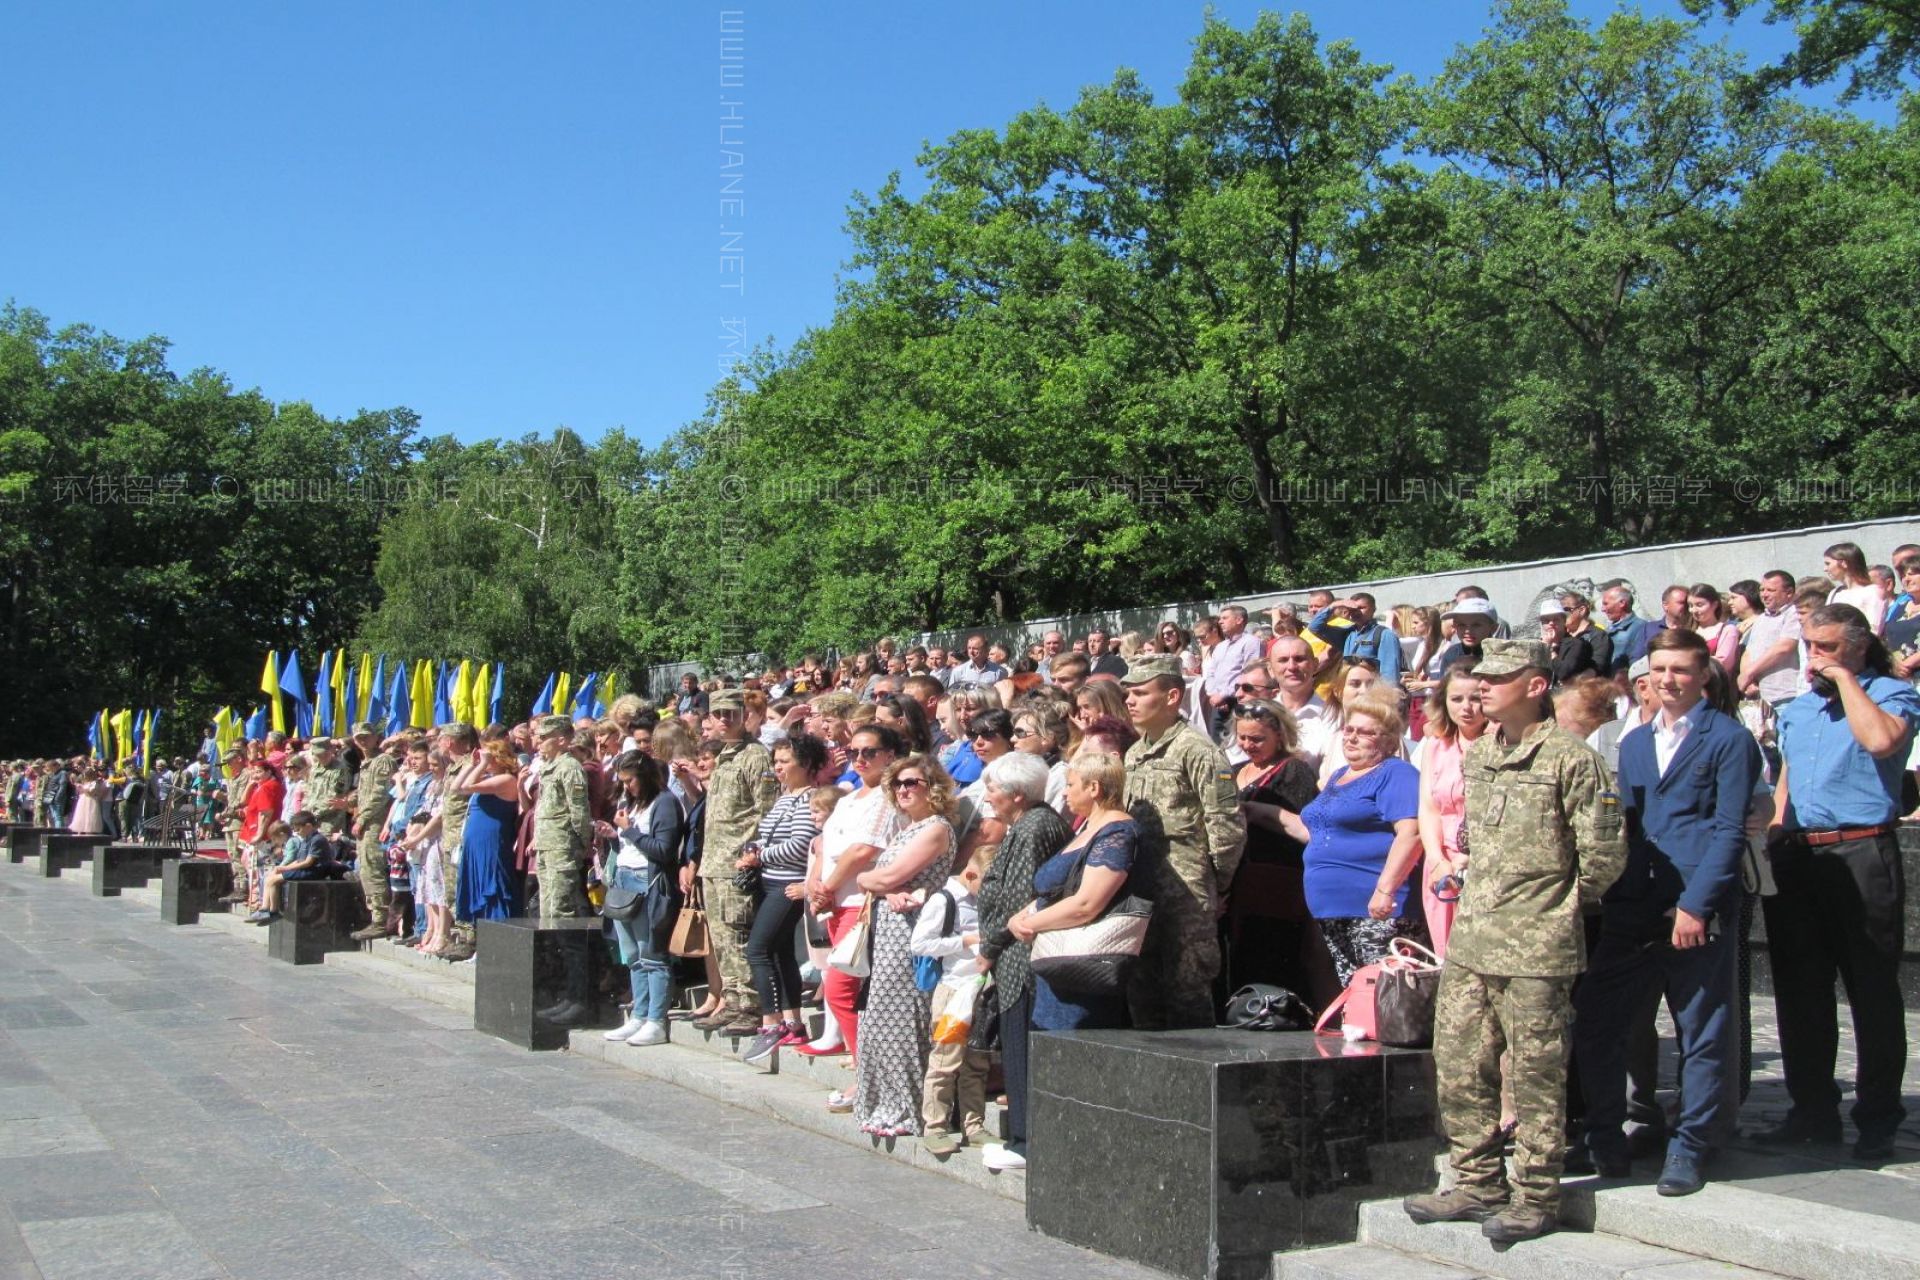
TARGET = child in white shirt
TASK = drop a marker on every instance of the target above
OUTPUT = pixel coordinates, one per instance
(948, 927)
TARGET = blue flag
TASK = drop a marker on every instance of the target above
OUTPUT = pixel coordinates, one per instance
(443, 694)
(583, 698)
(290, 682)
(257, 724)
(323, 686)
(499, 680)
(543, 705)
(377, 712)
(153, 728)
(399, 702)
(94, 747)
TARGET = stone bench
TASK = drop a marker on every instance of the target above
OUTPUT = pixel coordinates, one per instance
(1203, 1153)
(317, 917)
(23, 842)
(521, 971)
(64, 851)
(190, 886)
(128, 866)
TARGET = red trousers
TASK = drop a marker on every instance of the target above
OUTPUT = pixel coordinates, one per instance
(841, 991)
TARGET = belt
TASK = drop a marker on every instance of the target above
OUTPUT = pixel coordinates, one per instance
(1844, 833)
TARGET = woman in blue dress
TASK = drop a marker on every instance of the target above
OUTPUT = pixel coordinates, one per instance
(1070, 894)
(486, 883)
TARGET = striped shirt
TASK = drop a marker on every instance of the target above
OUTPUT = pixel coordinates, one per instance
(785, 833)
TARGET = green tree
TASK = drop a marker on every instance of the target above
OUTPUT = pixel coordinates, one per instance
(1876, 43)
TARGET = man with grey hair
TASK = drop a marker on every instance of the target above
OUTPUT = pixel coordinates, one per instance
(1626, 633)
(1052, 645)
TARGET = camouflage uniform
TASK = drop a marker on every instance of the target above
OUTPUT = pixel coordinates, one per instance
(1545, 838)
(1192, 831)
(562, 830)
(739, 794)
(372, 802)
(328, 782)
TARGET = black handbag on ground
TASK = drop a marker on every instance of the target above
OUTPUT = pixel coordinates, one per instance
(1259, 1006)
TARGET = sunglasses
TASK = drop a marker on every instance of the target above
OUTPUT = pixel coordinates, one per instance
(984, 733)
(866, 753)
(1447, 888)
(1255, 688)
(907, 784)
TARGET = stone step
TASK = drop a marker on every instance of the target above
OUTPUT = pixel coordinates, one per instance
(1563, 1255)
(422, 984)
(1365, 1262)
(390, 950)
(797, 1102)
(1774, 1234)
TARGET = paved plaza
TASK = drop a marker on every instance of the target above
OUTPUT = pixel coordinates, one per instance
(173, 1105)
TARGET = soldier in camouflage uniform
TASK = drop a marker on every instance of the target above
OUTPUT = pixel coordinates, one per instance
(373, 800)
(1543, 836)
(330, 791)
(1180, 791)
(739, 794)
(562, 826)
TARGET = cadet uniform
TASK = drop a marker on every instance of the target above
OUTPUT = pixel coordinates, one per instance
(373, 800)
(328, 782)
(739, 794)
(1543, 835)
(562, 830)
(1180, 792)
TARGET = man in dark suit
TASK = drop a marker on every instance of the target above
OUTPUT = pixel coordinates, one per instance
(1670, 923)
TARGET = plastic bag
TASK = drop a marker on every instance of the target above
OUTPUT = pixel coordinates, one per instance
(951, 1026)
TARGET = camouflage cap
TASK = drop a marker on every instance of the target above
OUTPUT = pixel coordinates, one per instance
(726, 700)
(366, 729)
(1505, 657)
(1148, 665)
(550, 725)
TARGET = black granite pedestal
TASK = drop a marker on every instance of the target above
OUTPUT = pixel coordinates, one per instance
(128, 866)
(1203, 1153)
(317, 917)
(522, 969)
(189, 886)
(24, 842)
(63, 851)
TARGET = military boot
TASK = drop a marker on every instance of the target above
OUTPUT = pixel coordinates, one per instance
(1455, 1204)
(1519, 1221)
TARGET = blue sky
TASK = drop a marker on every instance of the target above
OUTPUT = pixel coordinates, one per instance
(507, 216)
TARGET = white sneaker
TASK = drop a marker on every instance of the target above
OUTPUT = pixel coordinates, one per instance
(626, 1030)
(649, 1033)
(996, 1157)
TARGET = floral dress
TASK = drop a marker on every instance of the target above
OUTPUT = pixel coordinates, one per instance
(896, 1032)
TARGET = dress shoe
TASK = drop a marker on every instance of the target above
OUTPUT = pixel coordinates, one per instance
(1875, 1148)
(568, 1014)
(1597, 1154)
(1518, 1222)
(1796, 1131)
(1681, 1176)
(1451, 1205)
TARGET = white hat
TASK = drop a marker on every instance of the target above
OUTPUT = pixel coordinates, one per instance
(1551, 609)
(1473, 607)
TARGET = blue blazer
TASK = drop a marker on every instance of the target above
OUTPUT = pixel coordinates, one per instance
(1686, 830)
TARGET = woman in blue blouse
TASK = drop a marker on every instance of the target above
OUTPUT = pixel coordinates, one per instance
(1067, 896)
(1363, 840)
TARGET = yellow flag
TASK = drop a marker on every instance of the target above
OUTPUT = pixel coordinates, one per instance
(482, 695)
(421, 694)
(609, 689)
(340, 725)
(122, 736)
(462, 694)
(363, 692)
(270, 685)
(561, 692)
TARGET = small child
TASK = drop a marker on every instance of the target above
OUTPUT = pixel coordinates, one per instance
(257, 859)
(304, 857)
(425, 855)
(948, 927)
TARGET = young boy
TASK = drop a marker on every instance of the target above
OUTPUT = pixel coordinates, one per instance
(948, 927)
(304, 857)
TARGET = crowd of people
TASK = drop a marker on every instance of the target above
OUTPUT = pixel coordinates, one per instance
(928, 846)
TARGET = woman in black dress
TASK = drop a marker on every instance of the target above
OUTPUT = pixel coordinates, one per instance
(1269, 932)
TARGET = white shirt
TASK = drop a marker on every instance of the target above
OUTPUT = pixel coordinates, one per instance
(864, 817)
(1667, 737)
(1318, 733)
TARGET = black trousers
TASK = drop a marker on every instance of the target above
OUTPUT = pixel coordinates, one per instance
(1016, 1024)
(1840, 912)
(770, 954)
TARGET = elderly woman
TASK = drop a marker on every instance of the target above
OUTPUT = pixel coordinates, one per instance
(896, 1032)
(1077, 884)
(1267, 920)
(1017, 789)
(1362, 834)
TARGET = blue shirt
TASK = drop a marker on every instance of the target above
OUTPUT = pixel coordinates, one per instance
(1629, 639)
(1352, 830)
(963, 766)
(1831, 780)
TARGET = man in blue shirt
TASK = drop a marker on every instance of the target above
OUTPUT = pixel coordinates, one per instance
(1366, 638)
(1670, 925)
(1626, 632)
(1841, 906)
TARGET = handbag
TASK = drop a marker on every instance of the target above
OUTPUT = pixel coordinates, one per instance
(622, 904)
(690, 927)
(1403, 1003)
(1093, 959)
(853, 954)
(1259, 1006)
